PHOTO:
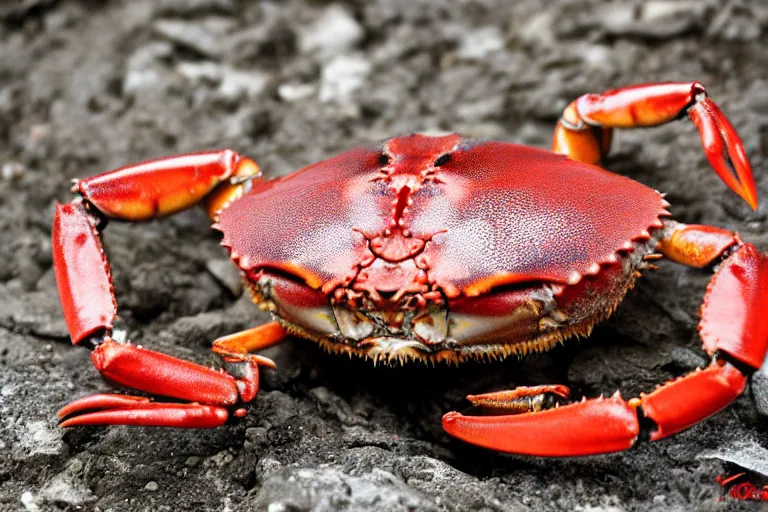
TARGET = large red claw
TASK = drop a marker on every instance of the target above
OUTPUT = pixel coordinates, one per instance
(100, 402)
(153, 372)
(154, 414)
(734, 316)
(688, 400)
(600, 425)
(724, 149)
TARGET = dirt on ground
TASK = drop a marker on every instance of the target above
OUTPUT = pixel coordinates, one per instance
(90, 86)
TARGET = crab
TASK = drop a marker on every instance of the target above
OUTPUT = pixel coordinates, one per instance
(434, 249)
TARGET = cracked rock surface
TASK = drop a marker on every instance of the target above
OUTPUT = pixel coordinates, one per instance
(89, 86)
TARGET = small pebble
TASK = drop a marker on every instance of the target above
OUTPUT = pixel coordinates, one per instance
(226, 273)
(480, 43)
(196, 72)
(334, 32)
(151, 486)
(12, 170)
(28, 500)
(141, 68)
(236, 83)
(295, 92)
(201, 38)
(343, 76)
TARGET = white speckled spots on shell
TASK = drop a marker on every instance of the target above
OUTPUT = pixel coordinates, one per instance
(493, 209)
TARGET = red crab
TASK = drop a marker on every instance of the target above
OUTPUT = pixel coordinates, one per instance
(437, 249)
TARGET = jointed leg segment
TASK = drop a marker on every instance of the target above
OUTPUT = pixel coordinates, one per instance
(83, 276)
(584, 132)
(238, 346)
(165, 185)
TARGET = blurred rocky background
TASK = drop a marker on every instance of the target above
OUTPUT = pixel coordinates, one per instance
(89, 86)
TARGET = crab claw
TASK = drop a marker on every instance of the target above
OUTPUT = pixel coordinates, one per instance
(156, 415)
(211, 392)
(724, 149)
(521, 399)
(132, 410)
(600, 425)
(99, 402)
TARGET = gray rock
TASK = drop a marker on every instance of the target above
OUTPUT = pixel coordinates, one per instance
(200, 72)
(67, 488)
(226, 273)
(35, 312)
(234, 85)
(201, 36)
(330, 490)
(342, 76)
(480, 43)
(332, 32)
(661, 19)
(296, 92)
(142, 71)
(11, 170)
(190, 7)
(238, 84)
(759, 385)
(747, 454)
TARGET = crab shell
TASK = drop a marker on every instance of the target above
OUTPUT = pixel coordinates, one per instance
(442, 248)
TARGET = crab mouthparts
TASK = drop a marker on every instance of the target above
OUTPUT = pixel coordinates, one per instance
(392, 331)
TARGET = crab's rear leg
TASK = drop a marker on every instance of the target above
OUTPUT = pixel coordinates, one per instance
(141, 192)
(584, 132)
(733, 329)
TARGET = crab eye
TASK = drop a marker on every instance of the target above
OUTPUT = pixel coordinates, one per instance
(442, 159)
(497, 317)
(299, 304)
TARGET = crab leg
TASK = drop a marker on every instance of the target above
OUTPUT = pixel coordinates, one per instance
(584, 131)
(733, 329)
(238, 346)
(165, 185)
(85, 287)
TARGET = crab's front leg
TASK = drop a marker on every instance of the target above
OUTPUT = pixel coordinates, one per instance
(135, 193)
(733, 329)
(584, 131)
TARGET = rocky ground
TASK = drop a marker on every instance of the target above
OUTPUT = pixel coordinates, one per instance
(89, 86)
